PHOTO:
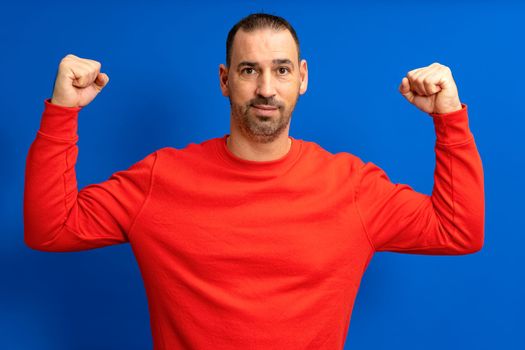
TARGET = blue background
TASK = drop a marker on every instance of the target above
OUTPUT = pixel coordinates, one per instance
(163, 59)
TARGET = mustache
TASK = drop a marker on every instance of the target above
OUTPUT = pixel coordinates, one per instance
(265, 101)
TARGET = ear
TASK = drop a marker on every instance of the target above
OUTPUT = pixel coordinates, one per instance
(303, 71)
(223, 78)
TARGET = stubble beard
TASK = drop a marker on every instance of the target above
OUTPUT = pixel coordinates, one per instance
(258, 128)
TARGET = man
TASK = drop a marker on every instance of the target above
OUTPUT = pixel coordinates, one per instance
(254, 240)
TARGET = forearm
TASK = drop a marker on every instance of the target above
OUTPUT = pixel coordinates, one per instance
(458, 192)
(50, 190)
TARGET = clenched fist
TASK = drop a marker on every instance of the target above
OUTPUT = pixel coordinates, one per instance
(431, 89)
(78, 81)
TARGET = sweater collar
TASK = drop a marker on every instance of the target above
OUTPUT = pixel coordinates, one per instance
(270, 167)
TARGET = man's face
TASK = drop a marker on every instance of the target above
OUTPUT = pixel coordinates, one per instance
(263, 82)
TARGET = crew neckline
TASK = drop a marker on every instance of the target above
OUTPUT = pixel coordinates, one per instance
(282, 163)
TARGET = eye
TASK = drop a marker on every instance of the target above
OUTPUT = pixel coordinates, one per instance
(248, 70)
(283, 70)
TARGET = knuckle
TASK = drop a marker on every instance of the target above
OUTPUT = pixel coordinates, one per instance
(411, 74)
(65, 59)
(70, 57)
(95, 64)
(68, 60)
(64, 64)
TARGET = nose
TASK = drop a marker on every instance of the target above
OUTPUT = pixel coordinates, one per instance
(265, 85)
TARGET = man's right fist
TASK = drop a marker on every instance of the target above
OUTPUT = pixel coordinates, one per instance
(78, 81)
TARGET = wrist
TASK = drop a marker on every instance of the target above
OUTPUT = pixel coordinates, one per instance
(447, 110)
(452, 128)
(57, 102)
(59, 122)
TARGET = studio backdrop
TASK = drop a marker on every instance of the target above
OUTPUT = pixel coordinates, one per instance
(163, 61)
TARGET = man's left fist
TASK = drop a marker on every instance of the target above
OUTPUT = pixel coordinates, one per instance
(431, 89)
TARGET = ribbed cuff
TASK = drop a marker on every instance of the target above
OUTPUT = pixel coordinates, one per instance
(59, 121)
(452, 128)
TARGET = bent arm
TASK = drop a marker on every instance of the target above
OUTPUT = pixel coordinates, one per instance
(59, 218)
(451, 220)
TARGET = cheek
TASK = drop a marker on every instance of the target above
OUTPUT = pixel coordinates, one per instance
(241, 92)
(289, 92)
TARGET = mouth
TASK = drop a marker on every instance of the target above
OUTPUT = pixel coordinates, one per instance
(265, 107)
(265, 111)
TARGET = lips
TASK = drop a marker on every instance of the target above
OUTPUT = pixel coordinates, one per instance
(265, 107)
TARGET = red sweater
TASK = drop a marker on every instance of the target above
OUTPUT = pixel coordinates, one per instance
(238, 254)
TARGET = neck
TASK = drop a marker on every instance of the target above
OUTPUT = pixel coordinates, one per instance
(248, 149)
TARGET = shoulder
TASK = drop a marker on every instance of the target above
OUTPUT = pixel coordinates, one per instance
(314, 151)
(191, 149)
(347, 166)
(193, 155)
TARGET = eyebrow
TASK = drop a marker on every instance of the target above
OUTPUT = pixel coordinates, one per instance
(276, 61)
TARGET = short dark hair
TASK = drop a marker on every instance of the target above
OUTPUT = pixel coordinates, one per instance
(258, 21)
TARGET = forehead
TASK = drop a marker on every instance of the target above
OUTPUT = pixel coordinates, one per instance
(263, 44)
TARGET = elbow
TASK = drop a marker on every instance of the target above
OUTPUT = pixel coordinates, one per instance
(38, 234)
(466, 236)
(32, 236)
(35, 244)
(474, 247)
(41, 241)
(477, 235)
(56, 241)
(474, 243)
(462, 241)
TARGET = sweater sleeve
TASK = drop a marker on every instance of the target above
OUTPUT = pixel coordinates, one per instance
(58, 217)
(451, 220)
